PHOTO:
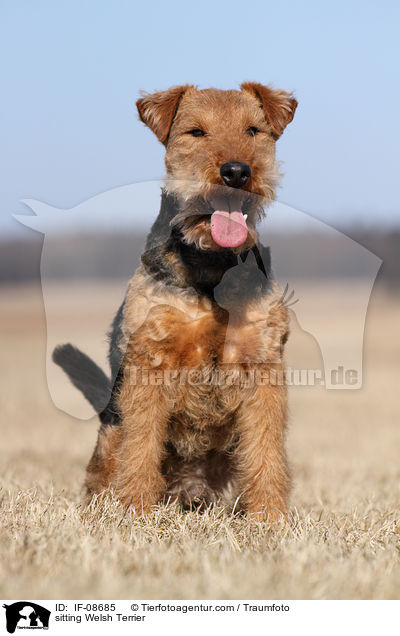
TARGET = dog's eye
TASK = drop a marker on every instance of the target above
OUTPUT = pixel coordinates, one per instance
(252, 130)
(196, 132)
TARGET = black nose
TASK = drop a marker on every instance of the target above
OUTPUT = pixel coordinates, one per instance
(235, 174)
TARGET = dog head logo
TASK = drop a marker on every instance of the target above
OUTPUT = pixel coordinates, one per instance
(338, 350)
(26, 615)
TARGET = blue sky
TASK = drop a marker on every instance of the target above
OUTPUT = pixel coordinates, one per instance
(72, 70)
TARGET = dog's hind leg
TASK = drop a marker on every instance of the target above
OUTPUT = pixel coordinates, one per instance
(102, 465)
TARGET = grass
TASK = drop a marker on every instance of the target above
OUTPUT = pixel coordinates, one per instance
(342, 539)
(60, 550)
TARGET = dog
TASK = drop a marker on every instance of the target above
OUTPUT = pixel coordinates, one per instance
(202, 306)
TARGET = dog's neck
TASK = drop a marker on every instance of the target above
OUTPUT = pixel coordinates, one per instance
(169, 259)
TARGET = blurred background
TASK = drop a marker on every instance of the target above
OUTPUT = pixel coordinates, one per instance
(71, 72)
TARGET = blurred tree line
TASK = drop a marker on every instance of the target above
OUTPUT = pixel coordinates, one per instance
(116, 256)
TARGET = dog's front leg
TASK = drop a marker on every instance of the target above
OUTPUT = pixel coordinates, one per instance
(145, 412)
(264, 475)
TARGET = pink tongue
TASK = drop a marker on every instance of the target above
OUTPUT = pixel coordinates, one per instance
(228, 229)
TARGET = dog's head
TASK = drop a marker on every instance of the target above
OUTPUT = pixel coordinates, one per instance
(220, 157)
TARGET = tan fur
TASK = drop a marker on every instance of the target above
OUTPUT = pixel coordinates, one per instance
(200, 440)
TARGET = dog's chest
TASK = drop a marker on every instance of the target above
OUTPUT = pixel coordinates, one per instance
(197, 353)
(174, 331)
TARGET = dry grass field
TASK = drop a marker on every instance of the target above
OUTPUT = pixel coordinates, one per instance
(342, 540)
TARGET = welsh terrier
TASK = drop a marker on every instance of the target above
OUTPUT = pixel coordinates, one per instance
(196, 413)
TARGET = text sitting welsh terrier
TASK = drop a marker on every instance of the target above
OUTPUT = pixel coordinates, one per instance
(196, 413)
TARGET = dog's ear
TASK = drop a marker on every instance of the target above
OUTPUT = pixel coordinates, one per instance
(279, 106)
(157, 110)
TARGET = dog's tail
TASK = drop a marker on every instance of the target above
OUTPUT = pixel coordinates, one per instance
(85, 375)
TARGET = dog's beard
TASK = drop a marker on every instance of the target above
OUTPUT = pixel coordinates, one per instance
(219, 217)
